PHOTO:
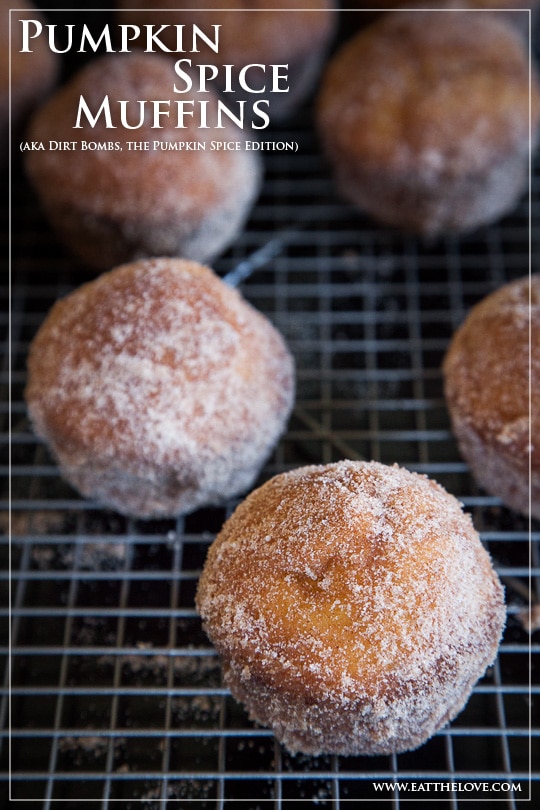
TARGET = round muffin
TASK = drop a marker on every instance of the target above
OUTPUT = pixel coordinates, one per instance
(119, 204)
(158, 388)
(426, 125)
(491, 368)
(33, 75)
(252, 32)
(353, 607)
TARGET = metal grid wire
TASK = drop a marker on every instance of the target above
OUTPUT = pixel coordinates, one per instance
(116, 694)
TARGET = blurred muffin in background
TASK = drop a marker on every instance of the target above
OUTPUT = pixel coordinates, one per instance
(33, 74)
(252, 32)
(427, 126)
(111, 202)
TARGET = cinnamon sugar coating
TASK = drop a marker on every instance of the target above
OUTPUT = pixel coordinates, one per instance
(491, 368)
(114, 206)
(158, 388)
(353, 607)
(426, 123)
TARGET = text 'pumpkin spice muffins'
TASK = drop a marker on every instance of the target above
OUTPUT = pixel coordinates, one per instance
(353, 607)
(492, 388)
(158, 388)
(120, 204)
(424, 117)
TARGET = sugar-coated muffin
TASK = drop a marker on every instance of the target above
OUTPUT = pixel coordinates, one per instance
(251, 32)
(353, 607)
(116, 204)
(425, 125)
(492, 388)
(33, 74)
(158, 388)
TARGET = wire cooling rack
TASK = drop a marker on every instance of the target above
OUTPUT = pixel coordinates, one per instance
(116, 696)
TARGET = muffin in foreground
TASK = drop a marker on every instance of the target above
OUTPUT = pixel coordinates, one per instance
(492, 389)
(353, 607)
(158, 388)
(426, 118)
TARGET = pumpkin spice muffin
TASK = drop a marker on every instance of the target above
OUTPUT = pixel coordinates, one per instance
(119, 204)
(492, 387)
(426, 125)
(158, 388)
(353, 607)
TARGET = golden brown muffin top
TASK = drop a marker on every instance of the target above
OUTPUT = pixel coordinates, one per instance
(349, 581)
